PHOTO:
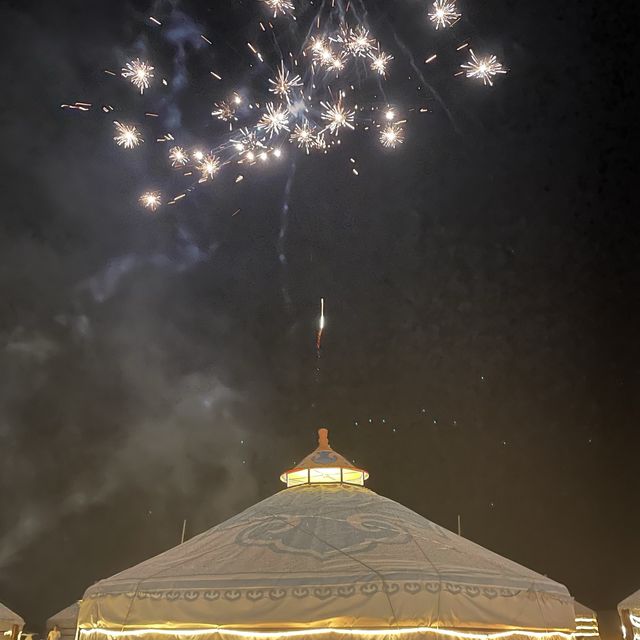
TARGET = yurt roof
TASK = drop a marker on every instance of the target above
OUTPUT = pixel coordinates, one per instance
(65, 619)
(586, 622)
(8, 618)
(327, 556)
(632, 603)
(583, 611)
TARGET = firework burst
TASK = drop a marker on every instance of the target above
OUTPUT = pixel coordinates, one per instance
(380, 62)
(248, 145)
(485, 68)
(274, 120)
(443, 13)
(178, 157)
(280, 7)
(328, 72)
(209, 166)
(225, 111)
(307, 137)
(358, 42)
(127, 136)
(284, 83)
(139, 73)
(151, 200)
(392, 135)
(337, 116)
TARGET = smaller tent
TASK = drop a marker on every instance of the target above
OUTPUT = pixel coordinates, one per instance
(11, 624)
(629, 610)
(66, 621)
(586, 623)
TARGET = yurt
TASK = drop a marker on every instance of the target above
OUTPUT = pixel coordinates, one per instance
(327, 557)
(66, 621)
(629, 610)
(11, 624)
(586, 623)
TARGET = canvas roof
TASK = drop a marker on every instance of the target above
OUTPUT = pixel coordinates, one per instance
(8, 618)
(318, 556)
(583, 611)
(632, 603)
(66, 619)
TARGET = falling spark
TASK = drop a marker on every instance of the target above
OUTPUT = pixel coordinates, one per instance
(283, 7)
(284, 83)
(484, 68)
(178, 157)
(337, 116)
(139, 74)
(274, 120)
(209, 166)
(320, 331)
(127, 136)
(151, 200)
(443, 14)
(392, 136)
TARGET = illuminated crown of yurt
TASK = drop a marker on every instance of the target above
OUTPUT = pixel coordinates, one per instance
(66, 621)
(629, 610)
(10, 623)
(327, 556)
(586, 622)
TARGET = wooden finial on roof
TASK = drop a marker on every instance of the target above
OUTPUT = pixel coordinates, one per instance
(323, 439)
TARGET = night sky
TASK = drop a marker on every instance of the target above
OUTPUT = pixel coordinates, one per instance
(481, 282)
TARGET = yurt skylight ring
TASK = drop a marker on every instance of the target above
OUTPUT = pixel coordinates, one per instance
(324, 466)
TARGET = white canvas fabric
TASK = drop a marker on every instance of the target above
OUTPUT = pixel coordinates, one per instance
(8, 619)
(586, 623)
(66, 621)
(632, 603)
(327, 556)
(582, 611)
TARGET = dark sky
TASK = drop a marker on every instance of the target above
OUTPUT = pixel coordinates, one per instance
(481, 282)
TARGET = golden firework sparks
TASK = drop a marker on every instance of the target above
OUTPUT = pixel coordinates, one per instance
(337, 116)
(307, 137)
(225, 111)
(443, 13)
(274, 120)
(380, 62)
(485, 68)
(151, 200)
(178, 157)
(127, 136)
(139, 73)
(284, 83)
(392, 135)
(278, 7)
(358, 42)
(209, 166)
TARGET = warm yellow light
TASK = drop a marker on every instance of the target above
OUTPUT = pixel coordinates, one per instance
(393, 631)
(321, 475)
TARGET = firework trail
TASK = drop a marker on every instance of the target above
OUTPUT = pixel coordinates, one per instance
(282, 236)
